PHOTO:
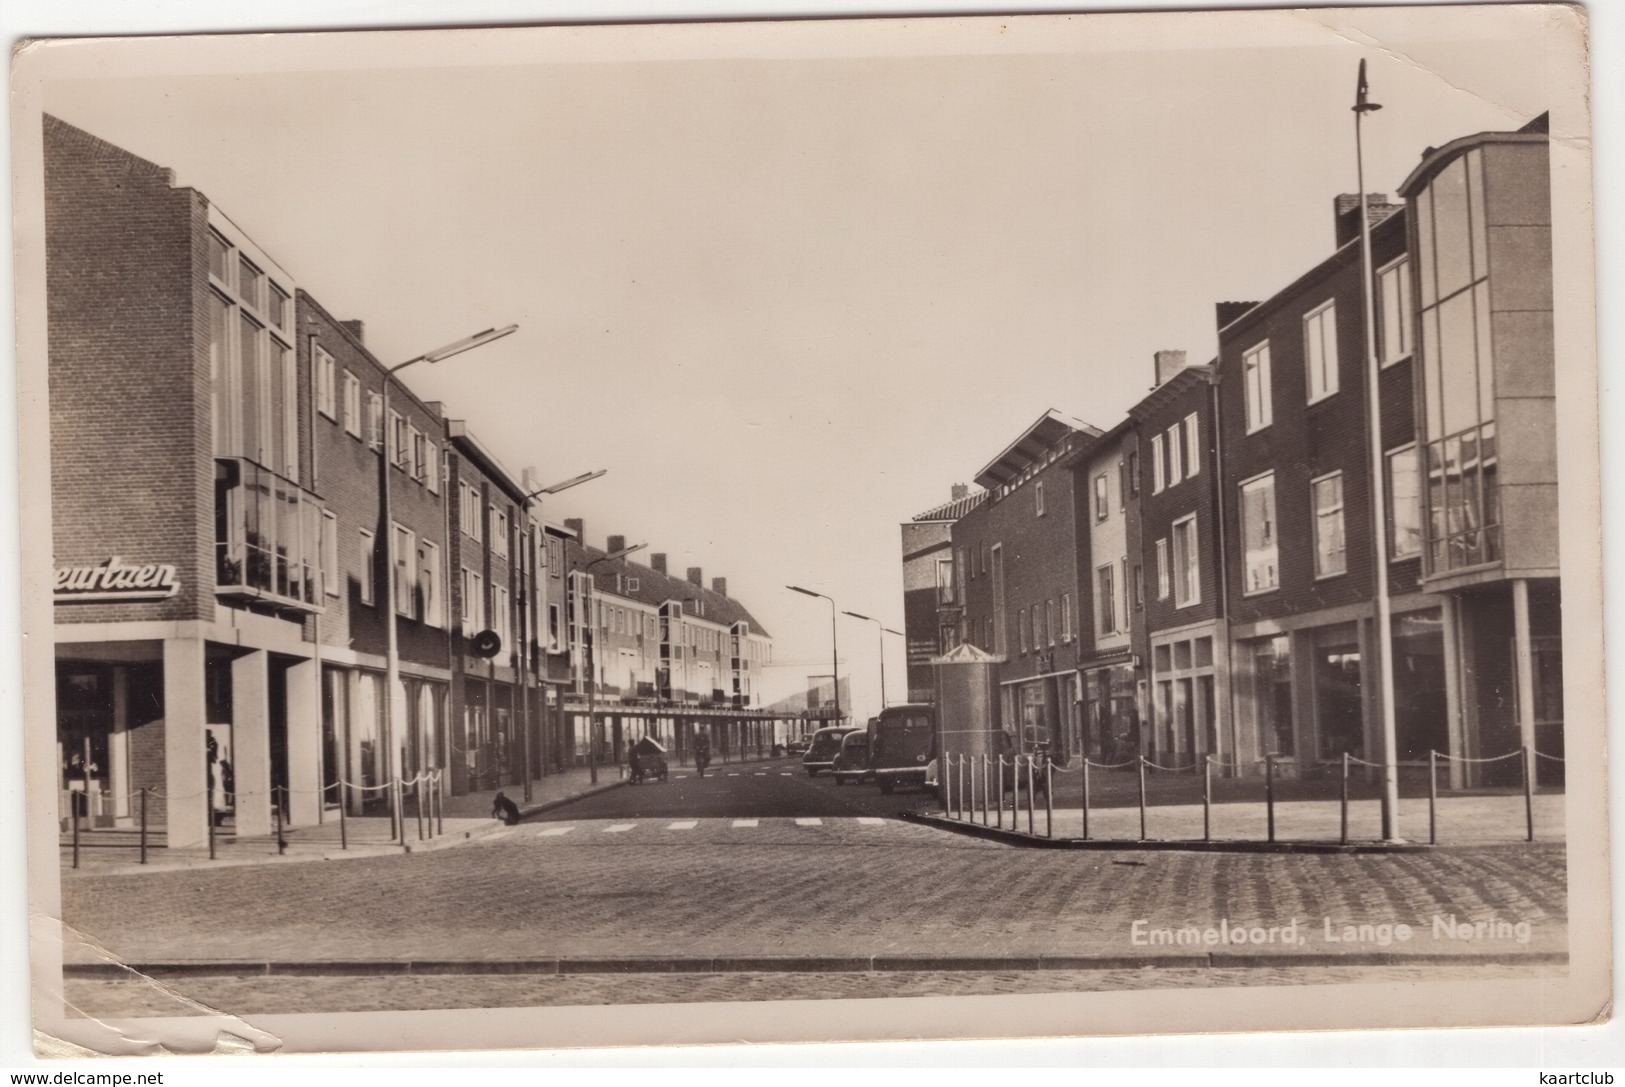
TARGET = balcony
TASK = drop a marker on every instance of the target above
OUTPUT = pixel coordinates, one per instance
(267, 538)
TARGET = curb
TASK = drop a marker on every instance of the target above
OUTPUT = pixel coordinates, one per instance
(1031, 841)
(769, 964)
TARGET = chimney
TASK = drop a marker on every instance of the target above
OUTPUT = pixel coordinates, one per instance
(574, 525)
(719, 585)
(1168, 363)
(358, 329)
(657, 562)
(959, 490)
(1229, 311)
(1346, 210)
(696, 576)
(615, 543)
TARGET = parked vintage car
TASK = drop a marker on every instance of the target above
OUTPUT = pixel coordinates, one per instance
(902, 740)
(798, 746)
(821, 752)
(852, 760)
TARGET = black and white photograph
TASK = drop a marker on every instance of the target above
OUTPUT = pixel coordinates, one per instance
(970, 526)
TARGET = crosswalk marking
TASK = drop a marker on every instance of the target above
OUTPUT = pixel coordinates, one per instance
(745, 822)
(785, 774)
(554, 832)
(679, 776)
(761, 773)
(810, 821)
(686, 824)
(733, 775)
(871, 821)
(619, 828)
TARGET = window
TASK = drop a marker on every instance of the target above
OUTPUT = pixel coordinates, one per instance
(499, 614)
(366, 563)
(1187, 568)
(418, 461)
(1394, 312)
(330, 553)
(1102, 497)
(1176, 455)
(1326, 496)
(433, 608)
(1260, 570)
(1038, 497)
(1404, 504)
(1021, 629)
(470, 511)
(326, 393)
(473, 602)
(220, 259)
(352, 404)
(1066, 617)
(1156, 464)
(1049, 621)
(1255, 372)
(499, 532)
(405, 572)
(1106, 599)
(945, 581)
(554, 633)
(959, 572)
(1139, 586)
(555, 556)
(1320, 351)
(375, 420)
(1164, 572)
(1193, 446)
(431, 466)
(400, 446)
(276, 307)
(1133, 487)
(251, 283)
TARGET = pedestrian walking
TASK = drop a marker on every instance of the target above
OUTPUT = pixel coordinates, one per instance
(702, 751)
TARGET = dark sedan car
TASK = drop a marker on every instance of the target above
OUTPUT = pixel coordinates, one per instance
(852, 760)
(821, 753)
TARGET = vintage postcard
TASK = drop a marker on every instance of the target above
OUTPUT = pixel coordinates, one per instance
(860, 529)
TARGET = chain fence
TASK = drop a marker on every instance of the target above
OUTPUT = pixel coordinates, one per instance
(987, 789)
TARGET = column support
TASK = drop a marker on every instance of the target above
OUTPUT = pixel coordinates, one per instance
(1524, 661)
(1450, 613)
(251, 743)
(186, 773)
(304, 742)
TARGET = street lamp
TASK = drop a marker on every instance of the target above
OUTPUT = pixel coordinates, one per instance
(395, 699)
(834, 651)
(880, 636)
(1379, 502)
(530, 623)
(591, 662)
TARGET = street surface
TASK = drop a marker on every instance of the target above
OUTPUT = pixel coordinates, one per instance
(766, 864)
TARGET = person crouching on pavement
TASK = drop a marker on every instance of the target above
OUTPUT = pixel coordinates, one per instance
(504, 809)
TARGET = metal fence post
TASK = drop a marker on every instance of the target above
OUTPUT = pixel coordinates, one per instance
(1049, 800)
(439, 803)
(276, 808)
(1030, 785)
(1345, 800)
(1269, 793)
(1086, 798)
(984, 788)
(1141, 766)
(208, 807)
(959, 788)
(1433, 797)
(1528, 791)
(73, 815)
(1208, 798)
(419, 806)
(344, 830)
(143, 825)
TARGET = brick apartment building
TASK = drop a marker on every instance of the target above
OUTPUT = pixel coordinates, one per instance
(932, 608)
(235, 492)
(1015, 570)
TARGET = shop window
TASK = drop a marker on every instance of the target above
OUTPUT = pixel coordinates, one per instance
(1272, 693)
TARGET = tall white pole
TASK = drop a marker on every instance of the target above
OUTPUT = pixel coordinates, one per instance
(1379, 502)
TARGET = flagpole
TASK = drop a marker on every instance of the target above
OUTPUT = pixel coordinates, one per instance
(1379, 502)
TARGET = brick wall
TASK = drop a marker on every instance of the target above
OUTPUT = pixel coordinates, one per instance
(131, 465)
(1158, 511)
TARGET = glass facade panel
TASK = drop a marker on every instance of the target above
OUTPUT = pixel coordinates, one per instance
(1475, 211)
(1424, 247)
(1450, 229)
(1458, 364)
(1338, 712)
(267, 535)
(1272, 694)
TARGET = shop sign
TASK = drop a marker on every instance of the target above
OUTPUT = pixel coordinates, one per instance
(113, 579)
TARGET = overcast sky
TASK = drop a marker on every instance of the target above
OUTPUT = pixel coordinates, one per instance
(790, 283)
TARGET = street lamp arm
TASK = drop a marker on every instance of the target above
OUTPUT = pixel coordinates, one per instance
(574, 481)
(457, 347)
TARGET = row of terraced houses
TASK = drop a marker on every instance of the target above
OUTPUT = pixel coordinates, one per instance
(226, 461)
(1199, 579)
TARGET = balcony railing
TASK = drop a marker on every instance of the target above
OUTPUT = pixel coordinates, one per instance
(267, 537)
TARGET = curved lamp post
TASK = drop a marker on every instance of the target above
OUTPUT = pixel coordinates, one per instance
(834, 651)
(880, 637)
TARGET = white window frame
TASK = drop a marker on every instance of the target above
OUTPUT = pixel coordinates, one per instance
(1399, 272)
(1323, 517)
(326, 383)
(405, 558)
(1021, 629)
(1273, 552)
(499, 532)
(376, 424)
(1049, 621)
(415, 439)
(1103, 497)
(352, 404)
(499, 614)
(434, 596)
(1106, 609)
(473, 617)
(1320, 351)
(431, 457)
(1176, 455)
(1164, 570)
(367, 568)
(396, 439)
(1038, 497)
(1193, 446)
(1066, 618)
(1185, 530)
(1157, 477)
(330, 553)
(1258, 392)
(1394, 554)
